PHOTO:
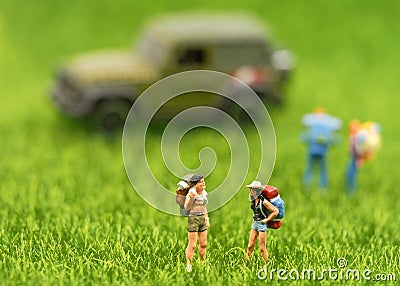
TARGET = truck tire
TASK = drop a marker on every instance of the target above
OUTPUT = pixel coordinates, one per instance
(109, 115)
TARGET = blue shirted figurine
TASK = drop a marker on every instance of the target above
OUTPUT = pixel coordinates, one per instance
(320, 134)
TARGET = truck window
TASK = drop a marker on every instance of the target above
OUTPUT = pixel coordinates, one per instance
(229, 56)
(191, 56)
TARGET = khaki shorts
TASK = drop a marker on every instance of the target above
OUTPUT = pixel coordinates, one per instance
(197, 223)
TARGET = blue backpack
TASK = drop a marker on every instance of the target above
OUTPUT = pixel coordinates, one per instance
(271, 193)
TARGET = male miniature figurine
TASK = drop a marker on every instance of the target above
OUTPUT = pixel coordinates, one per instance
(365, 140)
(319, 136)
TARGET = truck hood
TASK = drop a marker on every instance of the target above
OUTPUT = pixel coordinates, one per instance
(111, 67)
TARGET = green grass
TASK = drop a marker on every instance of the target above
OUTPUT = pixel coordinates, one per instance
(68, 214)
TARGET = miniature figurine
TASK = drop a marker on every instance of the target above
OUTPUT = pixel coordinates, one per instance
(365, 140)
(319, 136)
(264, 211)
(198, 220)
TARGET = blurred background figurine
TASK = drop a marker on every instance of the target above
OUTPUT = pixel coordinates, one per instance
(365, 139)
(320, 134)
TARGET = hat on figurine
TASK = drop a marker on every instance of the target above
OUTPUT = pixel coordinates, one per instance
(255, 185)
(187, 177)
(196, 177)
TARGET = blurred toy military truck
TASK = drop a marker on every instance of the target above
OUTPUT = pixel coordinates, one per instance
(102, 86)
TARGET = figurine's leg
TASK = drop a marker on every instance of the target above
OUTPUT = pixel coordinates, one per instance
(307, 176)
(252, 242)
(351, 176)
(202, 244)
(263, 247)
(323, 179)
(191, 247)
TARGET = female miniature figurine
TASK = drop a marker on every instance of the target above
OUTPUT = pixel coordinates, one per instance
(198, 220)
(264, 211)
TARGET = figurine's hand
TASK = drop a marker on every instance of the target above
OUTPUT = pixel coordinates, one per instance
(264, 221)
(208, 222)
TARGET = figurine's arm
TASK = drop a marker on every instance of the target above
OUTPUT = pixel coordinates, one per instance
(304, 137)
(190, 197)
(273, 211)
(207, 218)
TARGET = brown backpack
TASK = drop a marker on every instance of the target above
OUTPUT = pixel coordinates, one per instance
(181, 196)
(181, 192)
